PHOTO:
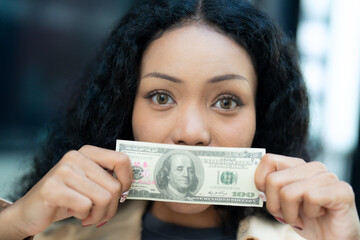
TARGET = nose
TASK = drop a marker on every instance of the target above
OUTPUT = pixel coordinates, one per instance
(185, 173)
(191, 127)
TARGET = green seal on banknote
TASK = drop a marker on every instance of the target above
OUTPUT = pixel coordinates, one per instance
(228, 178)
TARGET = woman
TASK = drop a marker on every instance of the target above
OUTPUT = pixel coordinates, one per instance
(206, 73)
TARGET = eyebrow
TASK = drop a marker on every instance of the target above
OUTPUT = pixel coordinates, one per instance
(211, 80)
(227, 77)
(163, 76)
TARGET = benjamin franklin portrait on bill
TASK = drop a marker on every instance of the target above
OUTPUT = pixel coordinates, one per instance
(177, 177)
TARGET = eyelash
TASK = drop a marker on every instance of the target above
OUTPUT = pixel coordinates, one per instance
(154, 93)
(231, 97)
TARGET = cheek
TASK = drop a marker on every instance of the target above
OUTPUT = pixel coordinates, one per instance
(172, 177)
(147, 126)
(235, 132)
(185, 208)
(149, 132)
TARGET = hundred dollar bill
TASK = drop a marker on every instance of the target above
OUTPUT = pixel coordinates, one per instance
(190, 174)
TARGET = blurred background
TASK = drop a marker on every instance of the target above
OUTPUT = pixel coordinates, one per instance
(45, 45)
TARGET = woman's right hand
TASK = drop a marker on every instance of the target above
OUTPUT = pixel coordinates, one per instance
(79, 185)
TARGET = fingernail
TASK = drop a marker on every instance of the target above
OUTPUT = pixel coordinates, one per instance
(101, 224)
(280, 220)
(122, 199)
(298, 228)
(262, 195)
(124, 196)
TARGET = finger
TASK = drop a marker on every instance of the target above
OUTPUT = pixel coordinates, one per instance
(111, 210)
(99, 175)
(334, 197)
(105, 179)
(292, 196)
(65, 197)
(99, 196)
(277, 180)
(111, 185)
(85, 165)
(272, 163)
(111, 160)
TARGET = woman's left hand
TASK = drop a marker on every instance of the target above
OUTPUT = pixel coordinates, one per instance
(308, 197)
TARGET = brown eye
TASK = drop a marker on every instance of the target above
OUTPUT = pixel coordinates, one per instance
(228, 102)
(162, 99)
(225, 103)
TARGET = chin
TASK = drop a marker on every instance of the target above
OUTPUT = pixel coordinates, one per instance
(186, 208)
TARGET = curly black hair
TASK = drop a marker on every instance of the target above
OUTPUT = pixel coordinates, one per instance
(102, 111)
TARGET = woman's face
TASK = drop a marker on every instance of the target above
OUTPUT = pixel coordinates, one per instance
(197, 87)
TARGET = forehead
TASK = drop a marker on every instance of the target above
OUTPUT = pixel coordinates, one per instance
(196, 51)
